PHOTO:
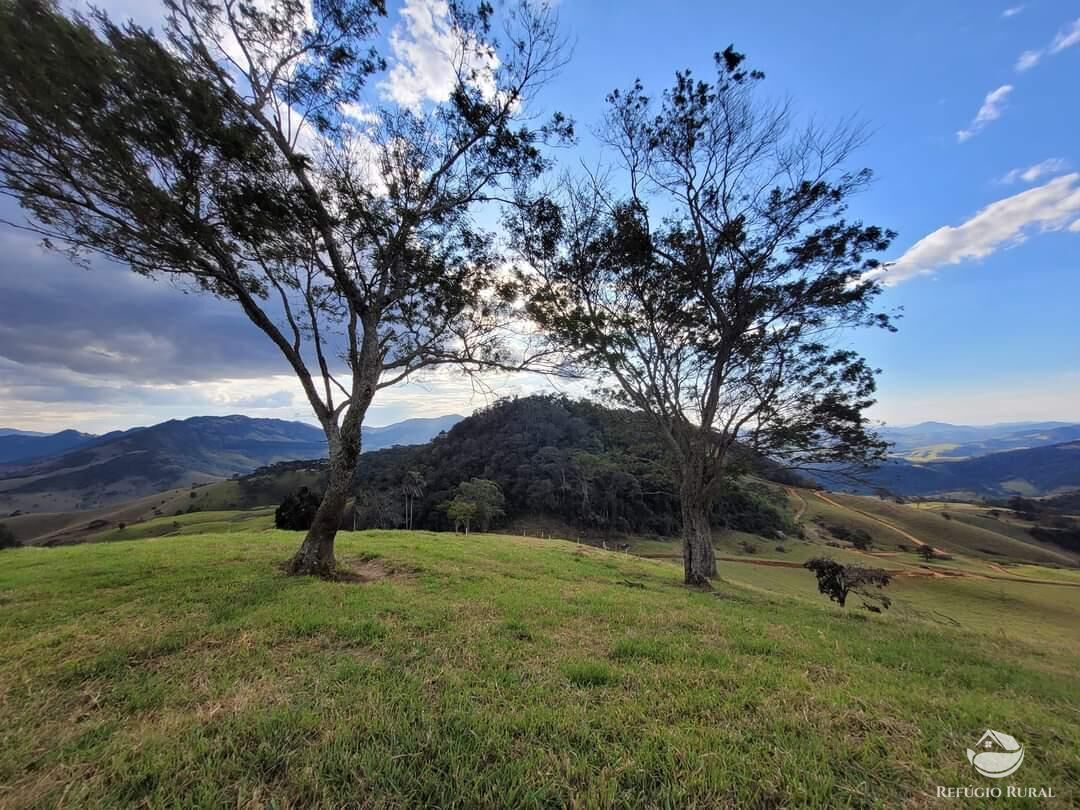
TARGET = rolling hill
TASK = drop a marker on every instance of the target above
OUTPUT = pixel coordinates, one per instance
(118, 467)
(941, 441)
(23, 447)
(1036, 471)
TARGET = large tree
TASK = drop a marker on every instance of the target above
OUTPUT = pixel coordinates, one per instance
(243, 153)
(709, 275)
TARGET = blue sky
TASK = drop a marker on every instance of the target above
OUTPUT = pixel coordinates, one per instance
(974, 114)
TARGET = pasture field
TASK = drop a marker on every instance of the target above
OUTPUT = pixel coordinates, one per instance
(888, 523)
(499, 671)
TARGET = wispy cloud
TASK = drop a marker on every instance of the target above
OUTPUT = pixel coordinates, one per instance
(1033, 173)
(1012, 12)
(1028, 60)
(989, 111)
(1053, 206)
(1066, 37)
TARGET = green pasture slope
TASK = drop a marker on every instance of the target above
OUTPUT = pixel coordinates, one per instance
(500, 672)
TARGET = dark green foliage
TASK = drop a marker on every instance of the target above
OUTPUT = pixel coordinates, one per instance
(860, 538)
(926, 552)
(1067, 537)
(7, 537)
(838, 581)
(297, 511)
(596, 469)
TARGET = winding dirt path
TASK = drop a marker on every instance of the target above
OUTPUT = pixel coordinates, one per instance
(802, 502)
(876, 519)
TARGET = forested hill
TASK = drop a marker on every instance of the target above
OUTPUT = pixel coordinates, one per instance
(591, 467)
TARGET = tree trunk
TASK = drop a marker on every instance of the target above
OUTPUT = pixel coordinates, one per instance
(699, 558)
(316, 554)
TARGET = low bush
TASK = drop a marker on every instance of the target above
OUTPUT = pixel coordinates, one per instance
(297, 511)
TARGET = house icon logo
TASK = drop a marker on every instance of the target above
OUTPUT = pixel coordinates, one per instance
(996, 755)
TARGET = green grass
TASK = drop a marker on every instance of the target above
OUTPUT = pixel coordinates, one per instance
(191, 523)
(930, 526)
(506, 672)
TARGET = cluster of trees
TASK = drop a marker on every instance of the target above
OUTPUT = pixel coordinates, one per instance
(859, 538)
(597, 469)
(1053, 518)
(702, 275)
(477, 501)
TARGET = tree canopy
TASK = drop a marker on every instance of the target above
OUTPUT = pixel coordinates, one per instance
(708, 274)
(240, 153)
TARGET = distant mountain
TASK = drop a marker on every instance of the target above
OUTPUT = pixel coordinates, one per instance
(940, 441)
(119, 466)
(21, 447)
(15, 432)
(410, 431)
(1034, 471)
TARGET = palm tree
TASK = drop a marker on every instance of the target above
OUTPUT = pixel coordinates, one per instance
(412, 487)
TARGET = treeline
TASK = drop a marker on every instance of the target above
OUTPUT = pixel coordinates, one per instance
(596, 469)
(1054, 518)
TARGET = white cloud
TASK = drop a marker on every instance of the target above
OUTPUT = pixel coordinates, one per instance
(428, 52)
(1033, 173)
(989, 111)
(1066, 37)
(1075, 227)
(1012, 12)
(1049, 207)
(1028, 60)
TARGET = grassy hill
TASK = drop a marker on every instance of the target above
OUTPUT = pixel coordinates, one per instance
(949, 527)
(105, 472)
(508, 672)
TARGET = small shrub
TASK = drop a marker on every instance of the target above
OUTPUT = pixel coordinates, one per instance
(837, 581)
(7, 537)
(781, 549)
(862, 540)
(589, 673)
(297, 511)
(748, 547)
(926, 552)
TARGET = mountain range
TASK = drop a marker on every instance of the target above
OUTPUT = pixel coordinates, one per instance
(940, 441)
(71, 470)
(1036, 471)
